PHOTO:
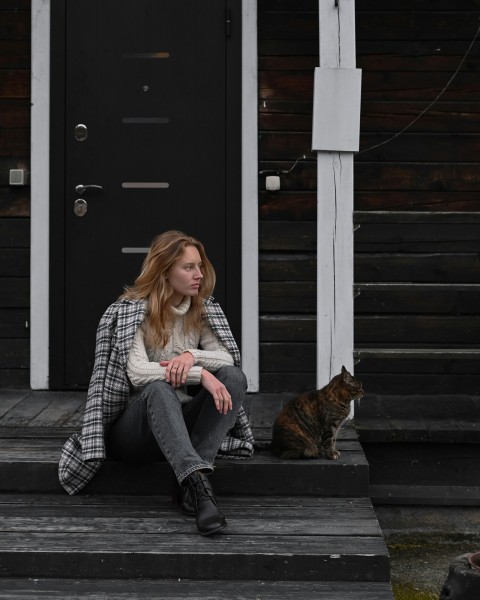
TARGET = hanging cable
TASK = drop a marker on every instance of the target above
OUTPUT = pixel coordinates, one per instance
(285, 171)
(431, 103)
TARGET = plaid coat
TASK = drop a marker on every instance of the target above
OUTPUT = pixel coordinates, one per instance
(109, 391)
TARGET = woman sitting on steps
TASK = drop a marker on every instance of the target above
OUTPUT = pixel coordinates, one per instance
(165, 333)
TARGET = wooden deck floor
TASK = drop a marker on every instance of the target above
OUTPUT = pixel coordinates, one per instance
(296, 529)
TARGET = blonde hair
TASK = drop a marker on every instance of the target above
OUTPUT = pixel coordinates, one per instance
(152, 284)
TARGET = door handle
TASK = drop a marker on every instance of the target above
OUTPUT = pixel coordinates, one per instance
(80, 188)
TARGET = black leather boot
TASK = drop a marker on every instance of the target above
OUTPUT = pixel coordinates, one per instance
(187, 503)
(182, 498)
(209, 518)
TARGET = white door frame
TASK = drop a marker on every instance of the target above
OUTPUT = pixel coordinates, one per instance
(40, 196)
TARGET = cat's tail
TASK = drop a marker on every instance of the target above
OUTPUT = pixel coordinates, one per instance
(282, 452)
(264, 446)
(275, 447)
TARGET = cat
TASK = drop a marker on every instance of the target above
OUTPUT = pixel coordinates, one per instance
(310, 421)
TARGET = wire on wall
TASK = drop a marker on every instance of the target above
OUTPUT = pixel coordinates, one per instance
(439, 95)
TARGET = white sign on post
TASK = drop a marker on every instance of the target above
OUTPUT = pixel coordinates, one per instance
(336, 114)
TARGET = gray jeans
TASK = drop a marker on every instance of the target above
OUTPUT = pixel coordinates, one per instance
(155, 425)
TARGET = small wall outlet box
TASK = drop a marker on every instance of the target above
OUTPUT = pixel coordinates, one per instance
(272, 183)
(18, 177)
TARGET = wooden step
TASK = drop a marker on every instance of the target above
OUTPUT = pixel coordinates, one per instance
(418, 353)
(34, 426)
(31, 465)
(122, 537)
(439, 418)
(424, 473)
(416, 493)
(421, 449)
(175, 589)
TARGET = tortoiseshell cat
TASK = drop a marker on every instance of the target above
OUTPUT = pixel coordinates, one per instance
(310, 421)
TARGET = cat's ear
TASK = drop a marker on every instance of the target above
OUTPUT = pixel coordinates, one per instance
(347, 378)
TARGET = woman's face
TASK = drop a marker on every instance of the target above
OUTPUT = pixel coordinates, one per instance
(185, 275)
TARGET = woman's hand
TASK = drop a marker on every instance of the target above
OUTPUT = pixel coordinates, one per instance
(177, 369)
(219, 392)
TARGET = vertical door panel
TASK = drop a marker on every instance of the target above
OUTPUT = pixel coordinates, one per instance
(147, 78)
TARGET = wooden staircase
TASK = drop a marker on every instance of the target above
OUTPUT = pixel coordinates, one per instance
(296, 529)
(422, 449)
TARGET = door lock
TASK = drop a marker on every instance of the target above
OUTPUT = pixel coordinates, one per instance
(80, 188)
(81, 132)
(80, 207)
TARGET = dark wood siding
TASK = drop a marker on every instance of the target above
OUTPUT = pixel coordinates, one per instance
(416, 197)
(408, 53)
(14, 201)
(424, 248)
(288, 54)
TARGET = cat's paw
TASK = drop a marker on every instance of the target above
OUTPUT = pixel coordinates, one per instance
(333, 454)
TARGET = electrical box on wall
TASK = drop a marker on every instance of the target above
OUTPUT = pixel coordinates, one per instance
(19, 177)
(336, 110)
(272, 183)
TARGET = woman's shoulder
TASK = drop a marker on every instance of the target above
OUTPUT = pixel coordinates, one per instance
(122, 305)
(121, 302)
(212, 307)
(210, 301)
(214, 311)
(126, 301)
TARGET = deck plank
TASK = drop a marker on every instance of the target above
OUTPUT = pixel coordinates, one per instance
(58, 414)
(175, 589)
(42, 450)
(117, 501)
(252, 516)
(166, 523)
(267, 556)
(23, 412)
(59, 411)
(9, 399)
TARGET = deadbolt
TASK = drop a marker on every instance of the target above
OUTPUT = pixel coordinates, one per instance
(81, 132)
(80, 207)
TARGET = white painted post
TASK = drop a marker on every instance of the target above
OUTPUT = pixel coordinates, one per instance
(40, 198)
(335, 145)
(250, 299)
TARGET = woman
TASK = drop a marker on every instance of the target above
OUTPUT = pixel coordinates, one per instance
(165, 333)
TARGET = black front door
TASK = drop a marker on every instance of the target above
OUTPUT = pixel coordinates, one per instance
(147, 140)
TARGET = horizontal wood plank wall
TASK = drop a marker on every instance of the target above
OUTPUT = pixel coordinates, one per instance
(288, 53)
(417, 263)
(14, 200)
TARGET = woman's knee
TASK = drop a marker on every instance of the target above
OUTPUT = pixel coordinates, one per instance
(157, 391)
(232, 377)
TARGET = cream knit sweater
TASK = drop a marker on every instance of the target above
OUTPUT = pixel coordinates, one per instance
(143, 364)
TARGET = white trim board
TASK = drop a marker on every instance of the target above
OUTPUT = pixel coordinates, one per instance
(40, 209)
(250, 291)
(40, 187)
